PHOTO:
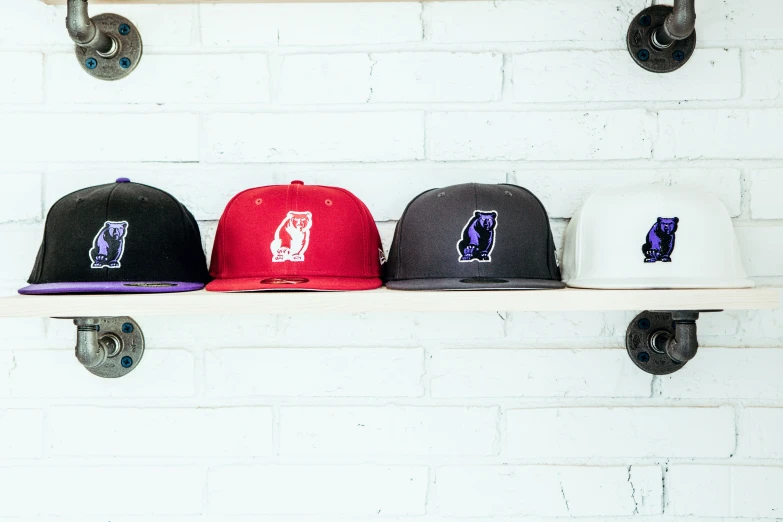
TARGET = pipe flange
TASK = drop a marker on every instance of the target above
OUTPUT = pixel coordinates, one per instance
(124, 343)
(643, 49)
(128, 53)
(645, 341)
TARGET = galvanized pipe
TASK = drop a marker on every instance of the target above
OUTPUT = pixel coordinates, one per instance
(83, 31)
(682, 347)
(89, 351)
(679, 25)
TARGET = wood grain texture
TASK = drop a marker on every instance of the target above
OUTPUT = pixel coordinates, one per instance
(384, 300)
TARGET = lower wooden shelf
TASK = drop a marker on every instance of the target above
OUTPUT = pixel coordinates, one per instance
(384, 300)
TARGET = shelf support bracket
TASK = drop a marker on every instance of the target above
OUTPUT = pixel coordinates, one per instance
(661, 342)
(108, 46)
(108, 347)
(662, 38)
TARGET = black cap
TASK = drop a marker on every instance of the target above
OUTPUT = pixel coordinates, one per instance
(473, 237)
(121, 237)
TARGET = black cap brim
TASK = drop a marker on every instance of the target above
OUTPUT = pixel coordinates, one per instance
(475, 283)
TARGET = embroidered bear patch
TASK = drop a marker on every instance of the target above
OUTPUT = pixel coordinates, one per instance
(660, 241)
(292, 237)
(478, 237)
(109, 245)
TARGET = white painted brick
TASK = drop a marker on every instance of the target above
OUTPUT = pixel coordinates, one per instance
(309, 24)
(160, 432)
(24, 241)
(166, 26)
(325, 329)
(318, 490)
(535, 373)
(741, 373)
(766, 185)
(532, 21)
(57, 374)
(587, 329)
(436, 77)
(21, 434)
(361, 372)
(728, 491)
(712, 74)
(752, 20)
(388, 431)
(759, 247)
(134, 137)
(28, 24)
(764, 73)
(324, 78)
(383, 136)
(719, 133)
(22, 81)
(556, 491)
(23, 202)
(759, 433)
(581, 135)
(620, 432)
(563, 192)
(61, 490)
(165, 79)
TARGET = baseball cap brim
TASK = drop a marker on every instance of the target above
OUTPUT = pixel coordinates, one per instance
(325, 284)
(660, 284)
(474, 283)
(111, 287)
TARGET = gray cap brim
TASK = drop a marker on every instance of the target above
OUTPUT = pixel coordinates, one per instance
(474, 283)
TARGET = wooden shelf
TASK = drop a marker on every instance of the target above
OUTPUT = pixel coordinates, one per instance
(383, 300)
(170, 2)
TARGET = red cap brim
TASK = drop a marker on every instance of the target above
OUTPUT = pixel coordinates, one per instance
(326, 284)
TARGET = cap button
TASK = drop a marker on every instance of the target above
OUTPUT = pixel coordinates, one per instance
(297, 182)
(123, 180)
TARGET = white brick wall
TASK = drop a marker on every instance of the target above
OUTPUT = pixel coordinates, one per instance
(402, 417)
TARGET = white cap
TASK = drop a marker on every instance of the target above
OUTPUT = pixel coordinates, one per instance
(652, 236)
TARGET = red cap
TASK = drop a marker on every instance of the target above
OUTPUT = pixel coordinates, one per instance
(296, 237)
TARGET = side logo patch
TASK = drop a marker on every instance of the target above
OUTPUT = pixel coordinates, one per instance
(478, 237)
(660, 241)
(292, 237)
(109, 245)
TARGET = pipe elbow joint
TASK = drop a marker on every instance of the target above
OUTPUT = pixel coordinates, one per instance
(683, 346)
(681, 23)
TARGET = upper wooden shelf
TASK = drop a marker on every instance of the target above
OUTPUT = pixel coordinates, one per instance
(169, 2)
(383, 300)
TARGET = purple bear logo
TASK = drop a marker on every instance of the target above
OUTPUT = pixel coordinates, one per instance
(478, 237)
(109, 245)
(660, 241)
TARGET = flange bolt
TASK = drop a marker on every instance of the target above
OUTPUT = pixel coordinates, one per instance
(126, 362)
(644, 323)
(125, 63)
(91, 63)
(642, 356)
(678, 56)
(127, 328)
(643, 55)
(124, 29)
(645, 21)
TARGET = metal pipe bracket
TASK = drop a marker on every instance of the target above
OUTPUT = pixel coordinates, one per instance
(108, 347)
(120, 60)
(651, 54)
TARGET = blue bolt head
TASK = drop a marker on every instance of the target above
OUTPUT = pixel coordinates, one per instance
(126, 362)
(125, 62)
(124, 29)
(643, 55)
(644, 323)
(91, 63)
(127, 328)
(678, 56)
(645, 21)
(642, 356)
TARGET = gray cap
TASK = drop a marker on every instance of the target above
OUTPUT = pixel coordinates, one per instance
(473, 236)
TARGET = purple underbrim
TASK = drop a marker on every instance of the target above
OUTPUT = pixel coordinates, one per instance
(113, 287)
